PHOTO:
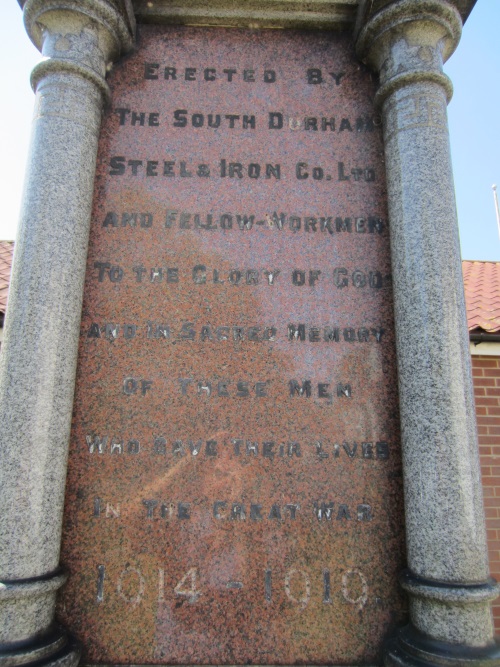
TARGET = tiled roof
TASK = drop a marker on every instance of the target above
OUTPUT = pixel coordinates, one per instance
(482, 296)
(6, 253)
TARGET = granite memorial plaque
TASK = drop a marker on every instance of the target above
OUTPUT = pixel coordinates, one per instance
(234, 490)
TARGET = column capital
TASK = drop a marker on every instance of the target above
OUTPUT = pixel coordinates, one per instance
(408, 41)
(79, 37)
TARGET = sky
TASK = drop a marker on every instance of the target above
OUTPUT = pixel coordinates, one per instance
(474, 117)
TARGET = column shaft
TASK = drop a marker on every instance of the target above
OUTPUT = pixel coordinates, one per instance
(38, 360)
(447, 577)
(39, 352)
(446, 539)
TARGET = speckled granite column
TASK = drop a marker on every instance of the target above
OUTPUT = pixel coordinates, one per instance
(39, 351)
(448, 583)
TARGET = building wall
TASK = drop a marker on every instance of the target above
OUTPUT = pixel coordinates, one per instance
(486, 374)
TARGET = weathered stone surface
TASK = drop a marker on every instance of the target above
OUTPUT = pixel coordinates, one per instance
(320, 14)
(252, 13)
(450, 591)
(190, 537)
(39, 351)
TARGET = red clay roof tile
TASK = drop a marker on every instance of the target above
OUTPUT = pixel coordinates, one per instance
(482, 295)
(6, 254)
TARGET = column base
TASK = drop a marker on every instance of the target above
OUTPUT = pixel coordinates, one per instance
(54, 649)
(411, 648)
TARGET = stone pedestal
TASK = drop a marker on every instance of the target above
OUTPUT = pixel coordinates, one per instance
(406, 41)
(38, 359)
(447, 580)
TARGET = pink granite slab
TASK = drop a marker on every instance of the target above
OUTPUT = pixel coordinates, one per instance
(214, 514)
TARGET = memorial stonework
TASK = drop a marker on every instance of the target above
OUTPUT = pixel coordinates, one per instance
(265, 392)
(235, 479)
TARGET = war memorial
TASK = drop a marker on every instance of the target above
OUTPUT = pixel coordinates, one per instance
(236, 408)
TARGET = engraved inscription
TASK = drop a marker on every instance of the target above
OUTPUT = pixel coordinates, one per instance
(416, 111)
(176, 218)
(234, 478)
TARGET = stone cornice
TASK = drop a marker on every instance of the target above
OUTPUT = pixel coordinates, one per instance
(314, 14)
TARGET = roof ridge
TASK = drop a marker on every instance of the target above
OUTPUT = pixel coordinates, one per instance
(481, 261)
